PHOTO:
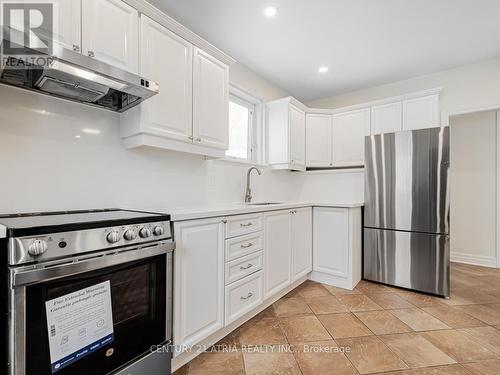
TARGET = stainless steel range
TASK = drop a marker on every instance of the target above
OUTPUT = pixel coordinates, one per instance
(88, 292)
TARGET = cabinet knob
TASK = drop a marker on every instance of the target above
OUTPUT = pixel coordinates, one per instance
(191, 138)
(197, 139)
(224, 221)
(250, 265)
(91, 54)
(76, 48)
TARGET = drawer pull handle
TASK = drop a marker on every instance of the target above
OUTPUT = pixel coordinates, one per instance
(246, 225)
(250, 265)
(247, 245)
(250, 295)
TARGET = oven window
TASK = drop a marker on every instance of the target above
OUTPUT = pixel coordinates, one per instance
(138, 304)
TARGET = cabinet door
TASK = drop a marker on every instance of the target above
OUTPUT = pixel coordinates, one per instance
(168, 60)
(421, 113)
(301, 243)
(199, 280)
(387, 118)
(277, 252)
(110, 33)
(331, 241)
(297, 124)
(210, 101)
(318, 140)
(66, 29)
(349, 131)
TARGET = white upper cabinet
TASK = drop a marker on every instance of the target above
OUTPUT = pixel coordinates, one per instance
(277, 252)
(67, 24)
(167, 59)
(286, 129)
(387, 118)
(297, 137)
(210, 102)
(349, 131)
(421, 113)
(110, 33)
(319, 140)
(301, 243)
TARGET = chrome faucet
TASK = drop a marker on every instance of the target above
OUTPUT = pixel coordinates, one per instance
(248, 194)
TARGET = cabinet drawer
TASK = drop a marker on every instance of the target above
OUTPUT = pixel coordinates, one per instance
(244, 245)
(239, 268)
(243, 296)
(243, 224)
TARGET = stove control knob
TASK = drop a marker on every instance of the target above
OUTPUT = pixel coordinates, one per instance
(145, 232)
(113, 237)
(38, 247)
(158, 231)
(130, 235)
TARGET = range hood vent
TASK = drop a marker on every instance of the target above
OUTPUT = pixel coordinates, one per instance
(70, 75)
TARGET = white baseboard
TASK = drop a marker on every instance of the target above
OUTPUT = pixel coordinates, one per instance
(476, 260)
(337, 281)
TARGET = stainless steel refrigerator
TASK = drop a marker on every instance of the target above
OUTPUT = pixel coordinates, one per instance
(406, 217)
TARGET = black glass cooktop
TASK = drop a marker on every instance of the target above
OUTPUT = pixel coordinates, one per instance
(28, 224)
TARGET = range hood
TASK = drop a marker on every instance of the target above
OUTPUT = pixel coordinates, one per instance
(73, 76)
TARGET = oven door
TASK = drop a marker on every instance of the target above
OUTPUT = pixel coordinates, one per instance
(93, 316)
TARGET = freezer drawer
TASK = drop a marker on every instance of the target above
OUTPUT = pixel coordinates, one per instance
(417, 261)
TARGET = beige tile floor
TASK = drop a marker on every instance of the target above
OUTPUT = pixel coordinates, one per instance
(318, 329)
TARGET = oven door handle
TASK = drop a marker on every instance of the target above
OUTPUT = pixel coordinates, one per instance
(55, 270)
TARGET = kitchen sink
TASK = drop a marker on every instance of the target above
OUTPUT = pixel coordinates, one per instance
(263, 203)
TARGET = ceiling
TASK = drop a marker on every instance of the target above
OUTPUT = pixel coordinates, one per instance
(363, 42)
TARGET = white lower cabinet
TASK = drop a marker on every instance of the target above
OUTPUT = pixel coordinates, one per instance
(337, 246)
(277, 253)
(301, 243)
(199, 280)
(243, 296)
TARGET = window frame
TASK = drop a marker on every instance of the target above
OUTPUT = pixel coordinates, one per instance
(255, 144)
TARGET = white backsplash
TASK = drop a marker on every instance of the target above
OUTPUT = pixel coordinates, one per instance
(45, 167)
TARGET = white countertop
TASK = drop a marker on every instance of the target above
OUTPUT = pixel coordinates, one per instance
(199, 212)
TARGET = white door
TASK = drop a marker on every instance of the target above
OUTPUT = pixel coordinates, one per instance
(110, 33)
(331, 241)
(387, 118)
(318, 140)
(199, 280)
(168, 60)
(301, 243)
(210, 101)
(421, 113)
(277, 252)
(67, 18)
(297, 123)
(349, 131)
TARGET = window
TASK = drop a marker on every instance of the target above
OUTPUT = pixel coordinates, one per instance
(241, 127)
(246, 132)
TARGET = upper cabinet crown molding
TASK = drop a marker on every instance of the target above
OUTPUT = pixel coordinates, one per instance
(159, 16)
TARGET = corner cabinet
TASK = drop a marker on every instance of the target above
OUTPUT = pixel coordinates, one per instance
(110, 33)
(190, 114)
(286, 129)
(319, 141)
(199, 280)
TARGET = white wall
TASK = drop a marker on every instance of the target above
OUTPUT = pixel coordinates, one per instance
(469, 87)
(44, 167)
(473, 188)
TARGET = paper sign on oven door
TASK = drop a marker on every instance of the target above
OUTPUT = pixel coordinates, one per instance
(78, 324)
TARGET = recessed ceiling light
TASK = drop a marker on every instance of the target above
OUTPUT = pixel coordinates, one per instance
(323, 69)
(270, 11)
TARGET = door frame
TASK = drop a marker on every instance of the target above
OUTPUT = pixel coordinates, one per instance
(495, 108)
